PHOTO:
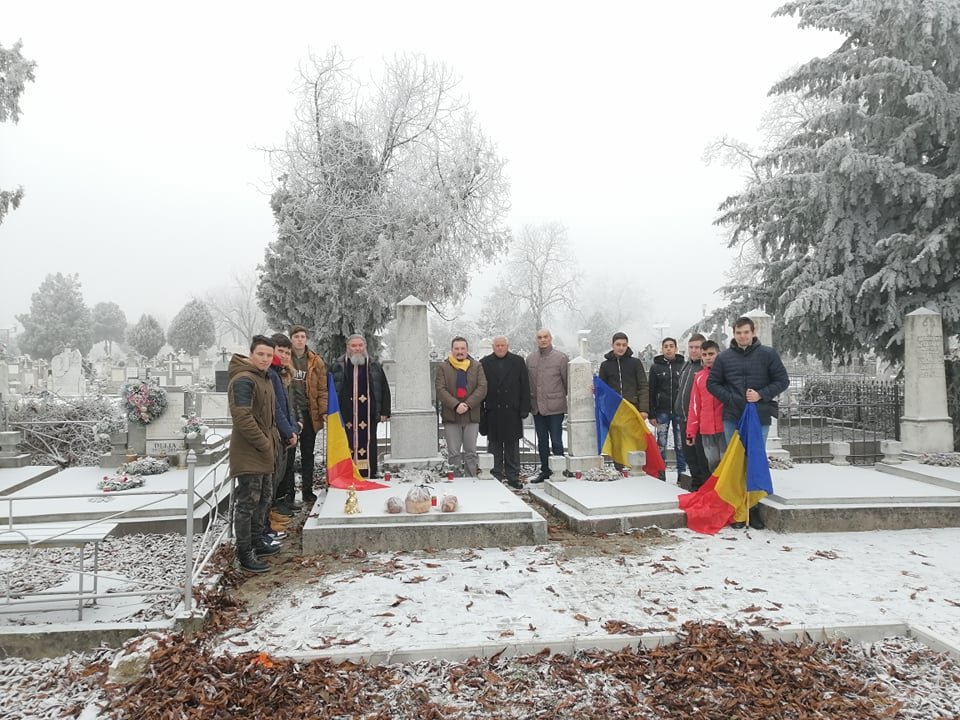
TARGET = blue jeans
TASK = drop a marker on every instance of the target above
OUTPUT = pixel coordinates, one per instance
(549, 432)
(730, 427)
(664, 420)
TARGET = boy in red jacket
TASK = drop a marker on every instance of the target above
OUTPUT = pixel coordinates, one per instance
(705, 415)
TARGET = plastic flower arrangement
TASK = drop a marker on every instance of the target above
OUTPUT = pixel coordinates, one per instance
(120, 481)
(192, 427)
(144, 402)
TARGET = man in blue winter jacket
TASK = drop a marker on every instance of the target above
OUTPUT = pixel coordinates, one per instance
(747, 372)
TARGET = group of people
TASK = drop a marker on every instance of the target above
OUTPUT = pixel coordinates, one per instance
(701, 397)
(493, 396)
(278, 399)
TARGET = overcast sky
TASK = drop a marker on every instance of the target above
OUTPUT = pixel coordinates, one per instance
(138, 142)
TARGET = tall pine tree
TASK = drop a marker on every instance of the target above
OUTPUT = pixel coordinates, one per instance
(857, 223)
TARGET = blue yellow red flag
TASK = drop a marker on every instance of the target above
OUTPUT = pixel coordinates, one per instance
(741, 480)
(341, 469)
(621, 429)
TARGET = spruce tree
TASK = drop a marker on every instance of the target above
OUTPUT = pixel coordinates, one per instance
(857, 222)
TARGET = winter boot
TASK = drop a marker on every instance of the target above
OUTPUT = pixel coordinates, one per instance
(755, 521)
(250, 562)
(262, 548)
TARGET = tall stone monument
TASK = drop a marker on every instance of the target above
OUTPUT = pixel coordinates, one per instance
(925, 426)
(413, 431)
(582, 418)
(763, 326)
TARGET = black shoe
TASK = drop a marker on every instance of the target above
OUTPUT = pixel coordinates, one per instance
(738, 525)
(515, 484)
(755, 522)
(309, 497)
(291, 502)
(250, 562)
(262, 548)
(662, 476)
(541, 477)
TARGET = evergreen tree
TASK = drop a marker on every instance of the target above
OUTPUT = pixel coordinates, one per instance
(15, 72)
(192, 329)
(109, 324)
(58, 318)
(379, 195)
(146, 337)
(857, 221)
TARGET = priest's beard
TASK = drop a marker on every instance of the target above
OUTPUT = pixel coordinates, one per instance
(358, 359)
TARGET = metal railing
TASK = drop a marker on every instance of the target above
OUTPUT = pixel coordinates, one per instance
(209, 491)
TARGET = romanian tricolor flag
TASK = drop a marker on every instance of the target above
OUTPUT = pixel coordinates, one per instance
(341, 470)
(741, 480)
(621, 429)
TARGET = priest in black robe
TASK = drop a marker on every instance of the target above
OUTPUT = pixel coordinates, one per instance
(364, 397)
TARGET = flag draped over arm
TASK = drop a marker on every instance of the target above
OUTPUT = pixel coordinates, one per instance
(341, 470)
(741, 480)
(621, 429)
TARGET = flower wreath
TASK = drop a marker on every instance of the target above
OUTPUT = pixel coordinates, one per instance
(144, 402)
(120, 481)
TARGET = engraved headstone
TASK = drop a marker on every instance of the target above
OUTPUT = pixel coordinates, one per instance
(413, 432)
(925, 426)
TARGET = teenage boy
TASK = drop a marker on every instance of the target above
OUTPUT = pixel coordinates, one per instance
(705, 414)
(254, 445)
(310, 398)
(664, 386)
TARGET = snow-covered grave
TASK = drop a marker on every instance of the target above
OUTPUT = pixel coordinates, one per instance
(487, 515)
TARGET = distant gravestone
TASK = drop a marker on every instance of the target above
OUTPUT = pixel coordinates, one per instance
(66, 373)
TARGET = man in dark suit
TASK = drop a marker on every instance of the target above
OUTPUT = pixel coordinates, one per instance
(506, 405)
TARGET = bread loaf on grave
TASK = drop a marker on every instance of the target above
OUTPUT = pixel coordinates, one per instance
(449, 503)
(418, 500)
(394, 505)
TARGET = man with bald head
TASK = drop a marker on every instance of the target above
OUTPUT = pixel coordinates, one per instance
(548, 398)
(506, 405)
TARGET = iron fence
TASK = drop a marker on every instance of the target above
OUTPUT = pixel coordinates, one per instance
(822, 409)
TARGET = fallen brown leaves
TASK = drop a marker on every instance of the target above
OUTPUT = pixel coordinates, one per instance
(711, 673)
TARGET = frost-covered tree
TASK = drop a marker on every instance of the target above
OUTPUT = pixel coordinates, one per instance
(58, 318)
(109, 324)
(15, 72)
(192, 328)
(857, 223)
(146, 337)
(540, 275)
(235, 310)
(382, 191)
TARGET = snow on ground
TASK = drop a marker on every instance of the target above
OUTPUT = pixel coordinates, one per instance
(409, 601)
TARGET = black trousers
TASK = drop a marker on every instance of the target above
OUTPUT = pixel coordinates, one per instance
(506, 458)
(308, 442)
(696, 458)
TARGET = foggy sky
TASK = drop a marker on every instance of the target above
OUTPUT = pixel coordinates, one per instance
(138, 143)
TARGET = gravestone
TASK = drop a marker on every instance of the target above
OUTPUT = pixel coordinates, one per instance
(163, 435)
(66, 373)
(581, 419)
(4, 380)
(413, 432)
(925, 426)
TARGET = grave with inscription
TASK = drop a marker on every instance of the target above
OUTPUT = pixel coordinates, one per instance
(925, 426)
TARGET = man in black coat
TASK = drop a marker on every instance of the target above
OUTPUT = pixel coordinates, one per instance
(364, 397)
(506, 405)
(747, 372)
